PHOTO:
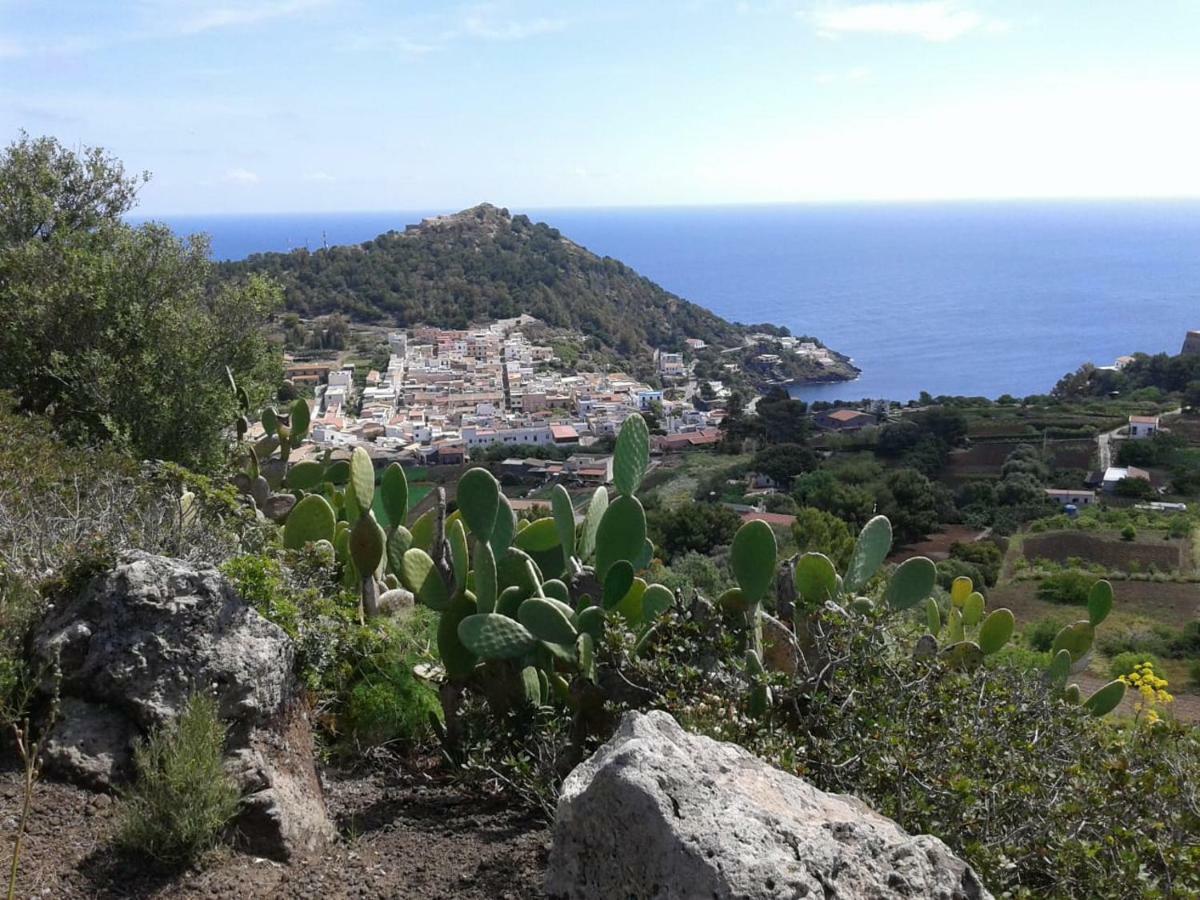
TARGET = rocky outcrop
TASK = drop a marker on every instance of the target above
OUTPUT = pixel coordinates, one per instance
(136, 643)
(661, 813)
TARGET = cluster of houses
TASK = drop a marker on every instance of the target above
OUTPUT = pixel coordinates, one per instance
(446, 393)
(1139, 428)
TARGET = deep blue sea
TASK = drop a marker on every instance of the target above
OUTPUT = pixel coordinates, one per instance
(962, 298)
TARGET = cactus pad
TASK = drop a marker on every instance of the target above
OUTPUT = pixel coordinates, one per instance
(816, 578)
(752, 557)
(564, 519)
(478, 500)
(1105, 699)
(870, 550)
(1100, 602)
(393, 493)
(631, 455)
(621, 535)
(312, 519)
(996, 631)
(547, 622)
(911, 583)
(362, 479)
(304, 476)
(492, 636)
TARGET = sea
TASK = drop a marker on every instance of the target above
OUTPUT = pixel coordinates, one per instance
(978, 299)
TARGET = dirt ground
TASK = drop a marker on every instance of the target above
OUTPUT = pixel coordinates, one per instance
(402, 836)
(1108, 550)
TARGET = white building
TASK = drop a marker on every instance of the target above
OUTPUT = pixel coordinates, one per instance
(1142, 427)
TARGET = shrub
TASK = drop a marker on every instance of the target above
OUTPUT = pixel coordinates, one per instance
(949, 569)
(182, 799)
(1125, 663)
(392, 706)
(984, 555)
(1069, 588)
(1040, 634)
(1128, 533)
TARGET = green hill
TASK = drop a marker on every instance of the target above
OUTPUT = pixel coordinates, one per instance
(484, 263)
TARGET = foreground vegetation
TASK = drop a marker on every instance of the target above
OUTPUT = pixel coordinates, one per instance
(898, 682)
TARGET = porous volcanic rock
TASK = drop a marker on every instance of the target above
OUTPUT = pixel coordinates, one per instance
(661, 813)
(136, 642)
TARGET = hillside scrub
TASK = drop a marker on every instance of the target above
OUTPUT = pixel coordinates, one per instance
(150, 337)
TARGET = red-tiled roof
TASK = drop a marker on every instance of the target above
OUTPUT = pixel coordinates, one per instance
(846, 415)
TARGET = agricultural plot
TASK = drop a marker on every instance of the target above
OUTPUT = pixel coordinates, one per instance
(1109, 551)
(985, 457)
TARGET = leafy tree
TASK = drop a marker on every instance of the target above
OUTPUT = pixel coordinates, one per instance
(112, 331)
(908, 498)
(1134, 488)
(985, 555)
(783, 419)
(823, 490)
(783, 462)
(820, 532)
(695, 527)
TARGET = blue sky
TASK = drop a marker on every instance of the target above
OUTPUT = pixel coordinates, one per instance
(316, 105)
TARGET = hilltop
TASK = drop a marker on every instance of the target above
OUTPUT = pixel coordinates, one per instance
(483, 264)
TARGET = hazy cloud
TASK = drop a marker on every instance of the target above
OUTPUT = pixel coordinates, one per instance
(482, 26)
(241, 176)
(930, 20)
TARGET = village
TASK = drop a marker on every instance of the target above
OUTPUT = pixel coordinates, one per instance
(449, 396)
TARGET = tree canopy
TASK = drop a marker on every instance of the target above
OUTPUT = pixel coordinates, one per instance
(113, 331)
(481, 264)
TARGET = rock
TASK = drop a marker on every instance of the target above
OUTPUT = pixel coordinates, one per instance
(661, 813)
(780, 653)
(396, 602)
(93, 742)
(277, 506)
(137, 642)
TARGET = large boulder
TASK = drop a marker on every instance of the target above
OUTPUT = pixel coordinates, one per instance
(661, 813)
(136, 643)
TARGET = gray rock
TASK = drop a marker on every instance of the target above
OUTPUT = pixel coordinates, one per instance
(92, 742)
(661, 813)
(277, 507)
(396, 602)
(780, 653)
(141, 639)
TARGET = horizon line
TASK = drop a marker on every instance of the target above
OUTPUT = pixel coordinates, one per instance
(756, 204)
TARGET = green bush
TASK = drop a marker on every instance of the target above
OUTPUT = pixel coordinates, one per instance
(392, 706)
(1040, 635)
(1128, 533)
(182, 799)
(1069, 588)
(383, 701)
(1125, 663)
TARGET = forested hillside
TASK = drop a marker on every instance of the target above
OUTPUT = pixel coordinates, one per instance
(484, 263)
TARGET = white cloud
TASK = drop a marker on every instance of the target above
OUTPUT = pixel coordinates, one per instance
(930, 20)
(324, 177)
(241, 176)
(243, 14)
(483, 22)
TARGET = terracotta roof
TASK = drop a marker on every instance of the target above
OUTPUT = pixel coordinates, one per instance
(847, 415)
(563, 433)
(1143, 420)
